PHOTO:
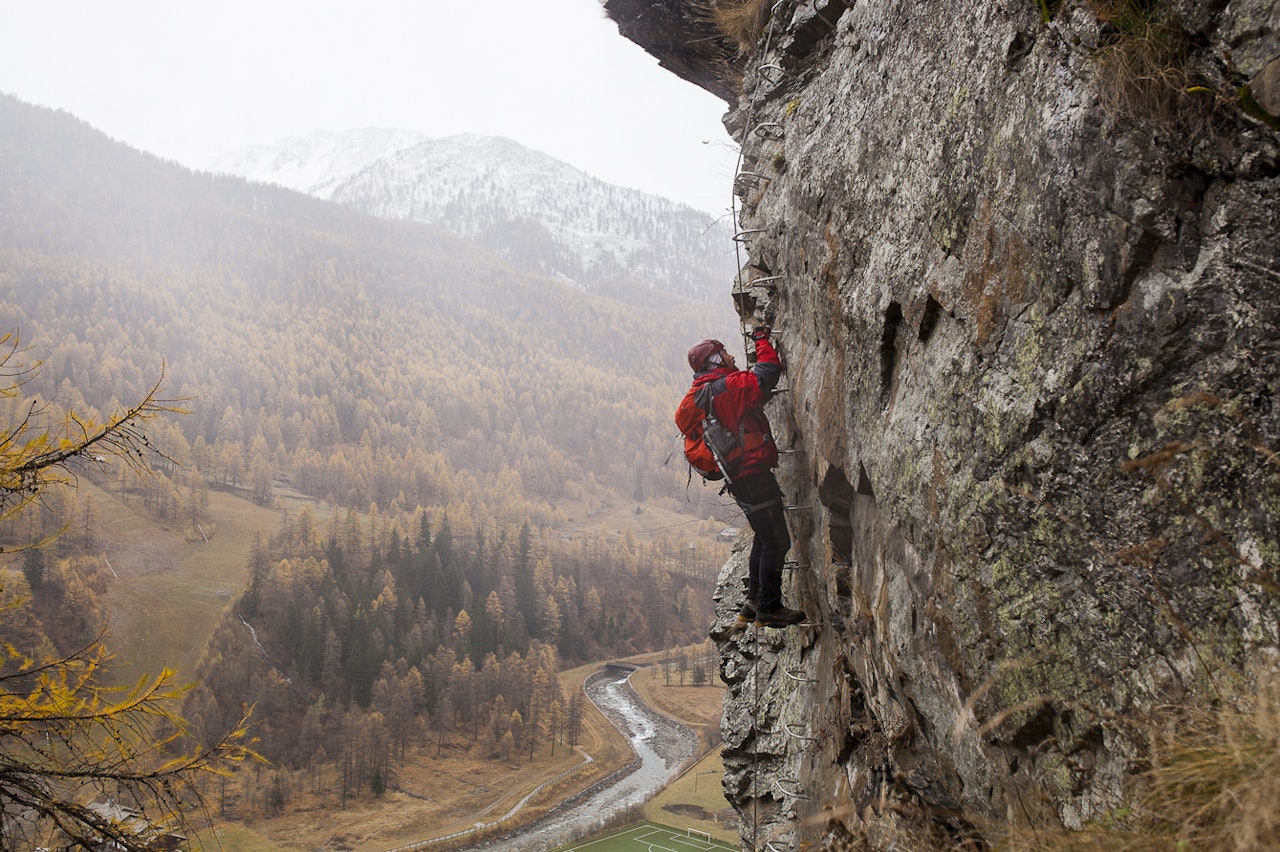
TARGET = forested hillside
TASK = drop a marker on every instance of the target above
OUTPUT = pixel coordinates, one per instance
(433, 631)
(359, 360)
(446, 413)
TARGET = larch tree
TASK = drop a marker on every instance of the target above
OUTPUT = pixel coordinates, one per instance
(66, 739)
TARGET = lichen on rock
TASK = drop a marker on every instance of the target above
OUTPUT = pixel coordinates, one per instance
(1031, 339)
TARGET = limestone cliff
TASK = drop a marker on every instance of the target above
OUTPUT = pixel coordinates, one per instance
(1023, 257)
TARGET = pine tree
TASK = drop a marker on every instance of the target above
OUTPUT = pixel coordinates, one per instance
(63, 739)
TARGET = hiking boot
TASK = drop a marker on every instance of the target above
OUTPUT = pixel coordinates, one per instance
(748, 613)
(780, 617)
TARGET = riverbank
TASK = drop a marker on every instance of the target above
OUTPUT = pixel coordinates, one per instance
(603, 754)
(447, 792)
(696, 798)
(663, 748)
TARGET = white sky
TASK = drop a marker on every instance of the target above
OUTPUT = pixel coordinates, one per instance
(190, 81)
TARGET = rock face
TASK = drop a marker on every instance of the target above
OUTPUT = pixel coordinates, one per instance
(1028, 293)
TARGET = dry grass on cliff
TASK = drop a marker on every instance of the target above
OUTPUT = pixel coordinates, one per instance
(1213, 784)
(1142, 61)
(740, 21)
(1215, 775)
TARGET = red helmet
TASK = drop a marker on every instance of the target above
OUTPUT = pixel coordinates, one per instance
(701, 351)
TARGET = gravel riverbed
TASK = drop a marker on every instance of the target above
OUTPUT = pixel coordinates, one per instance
(663, 748)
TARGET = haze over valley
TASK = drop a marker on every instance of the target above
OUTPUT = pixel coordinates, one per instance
(453, 421)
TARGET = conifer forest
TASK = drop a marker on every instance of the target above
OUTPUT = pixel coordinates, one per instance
(442, 424)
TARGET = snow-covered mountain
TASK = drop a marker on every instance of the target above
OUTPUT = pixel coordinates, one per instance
(315, 164)
(531, 208)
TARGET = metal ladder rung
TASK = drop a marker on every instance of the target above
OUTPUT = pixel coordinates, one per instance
(768, 130)
(797, 678)
(772, 68)
(794, 793)
(741, 236)
(794, 735)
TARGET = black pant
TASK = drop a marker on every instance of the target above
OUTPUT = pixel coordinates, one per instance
(760, 498)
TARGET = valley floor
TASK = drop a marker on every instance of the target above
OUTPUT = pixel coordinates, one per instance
(435, 797)
(171, 588)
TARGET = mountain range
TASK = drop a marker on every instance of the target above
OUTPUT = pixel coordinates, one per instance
(348, 343)
(531, 209)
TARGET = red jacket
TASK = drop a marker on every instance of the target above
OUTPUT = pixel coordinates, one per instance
(740, 405)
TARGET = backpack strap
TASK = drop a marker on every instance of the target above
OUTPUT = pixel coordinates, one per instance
(706, 395)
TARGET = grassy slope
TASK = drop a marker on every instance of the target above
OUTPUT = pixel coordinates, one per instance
(172, 587)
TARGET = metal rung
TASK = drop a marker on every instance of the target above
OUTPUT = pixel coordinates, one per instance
(799, 679)
(756, 175)
(768, 130)
(793, 508)
(794, 735)
(771, 848)
(754, 281)
(741, 235)
(793, 793)
(772, 67)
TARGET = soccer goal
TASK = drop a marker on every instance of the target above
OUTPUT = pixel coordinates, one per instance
(704, 836)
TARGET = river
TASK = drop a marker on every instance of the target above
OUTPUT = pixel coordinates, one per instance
(663, 749)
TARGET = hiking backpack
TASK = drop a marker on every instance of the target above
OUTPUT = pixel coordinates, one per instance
(711, 449)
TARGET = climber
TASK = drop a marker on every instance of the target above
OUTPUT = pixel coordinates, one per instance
(737, 401)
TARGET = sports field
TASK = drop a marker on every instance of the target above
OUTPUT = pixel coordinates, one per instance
(648, 837)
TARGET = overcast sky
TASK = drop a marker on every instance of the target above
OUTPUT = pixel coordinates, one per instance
(190, 81)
